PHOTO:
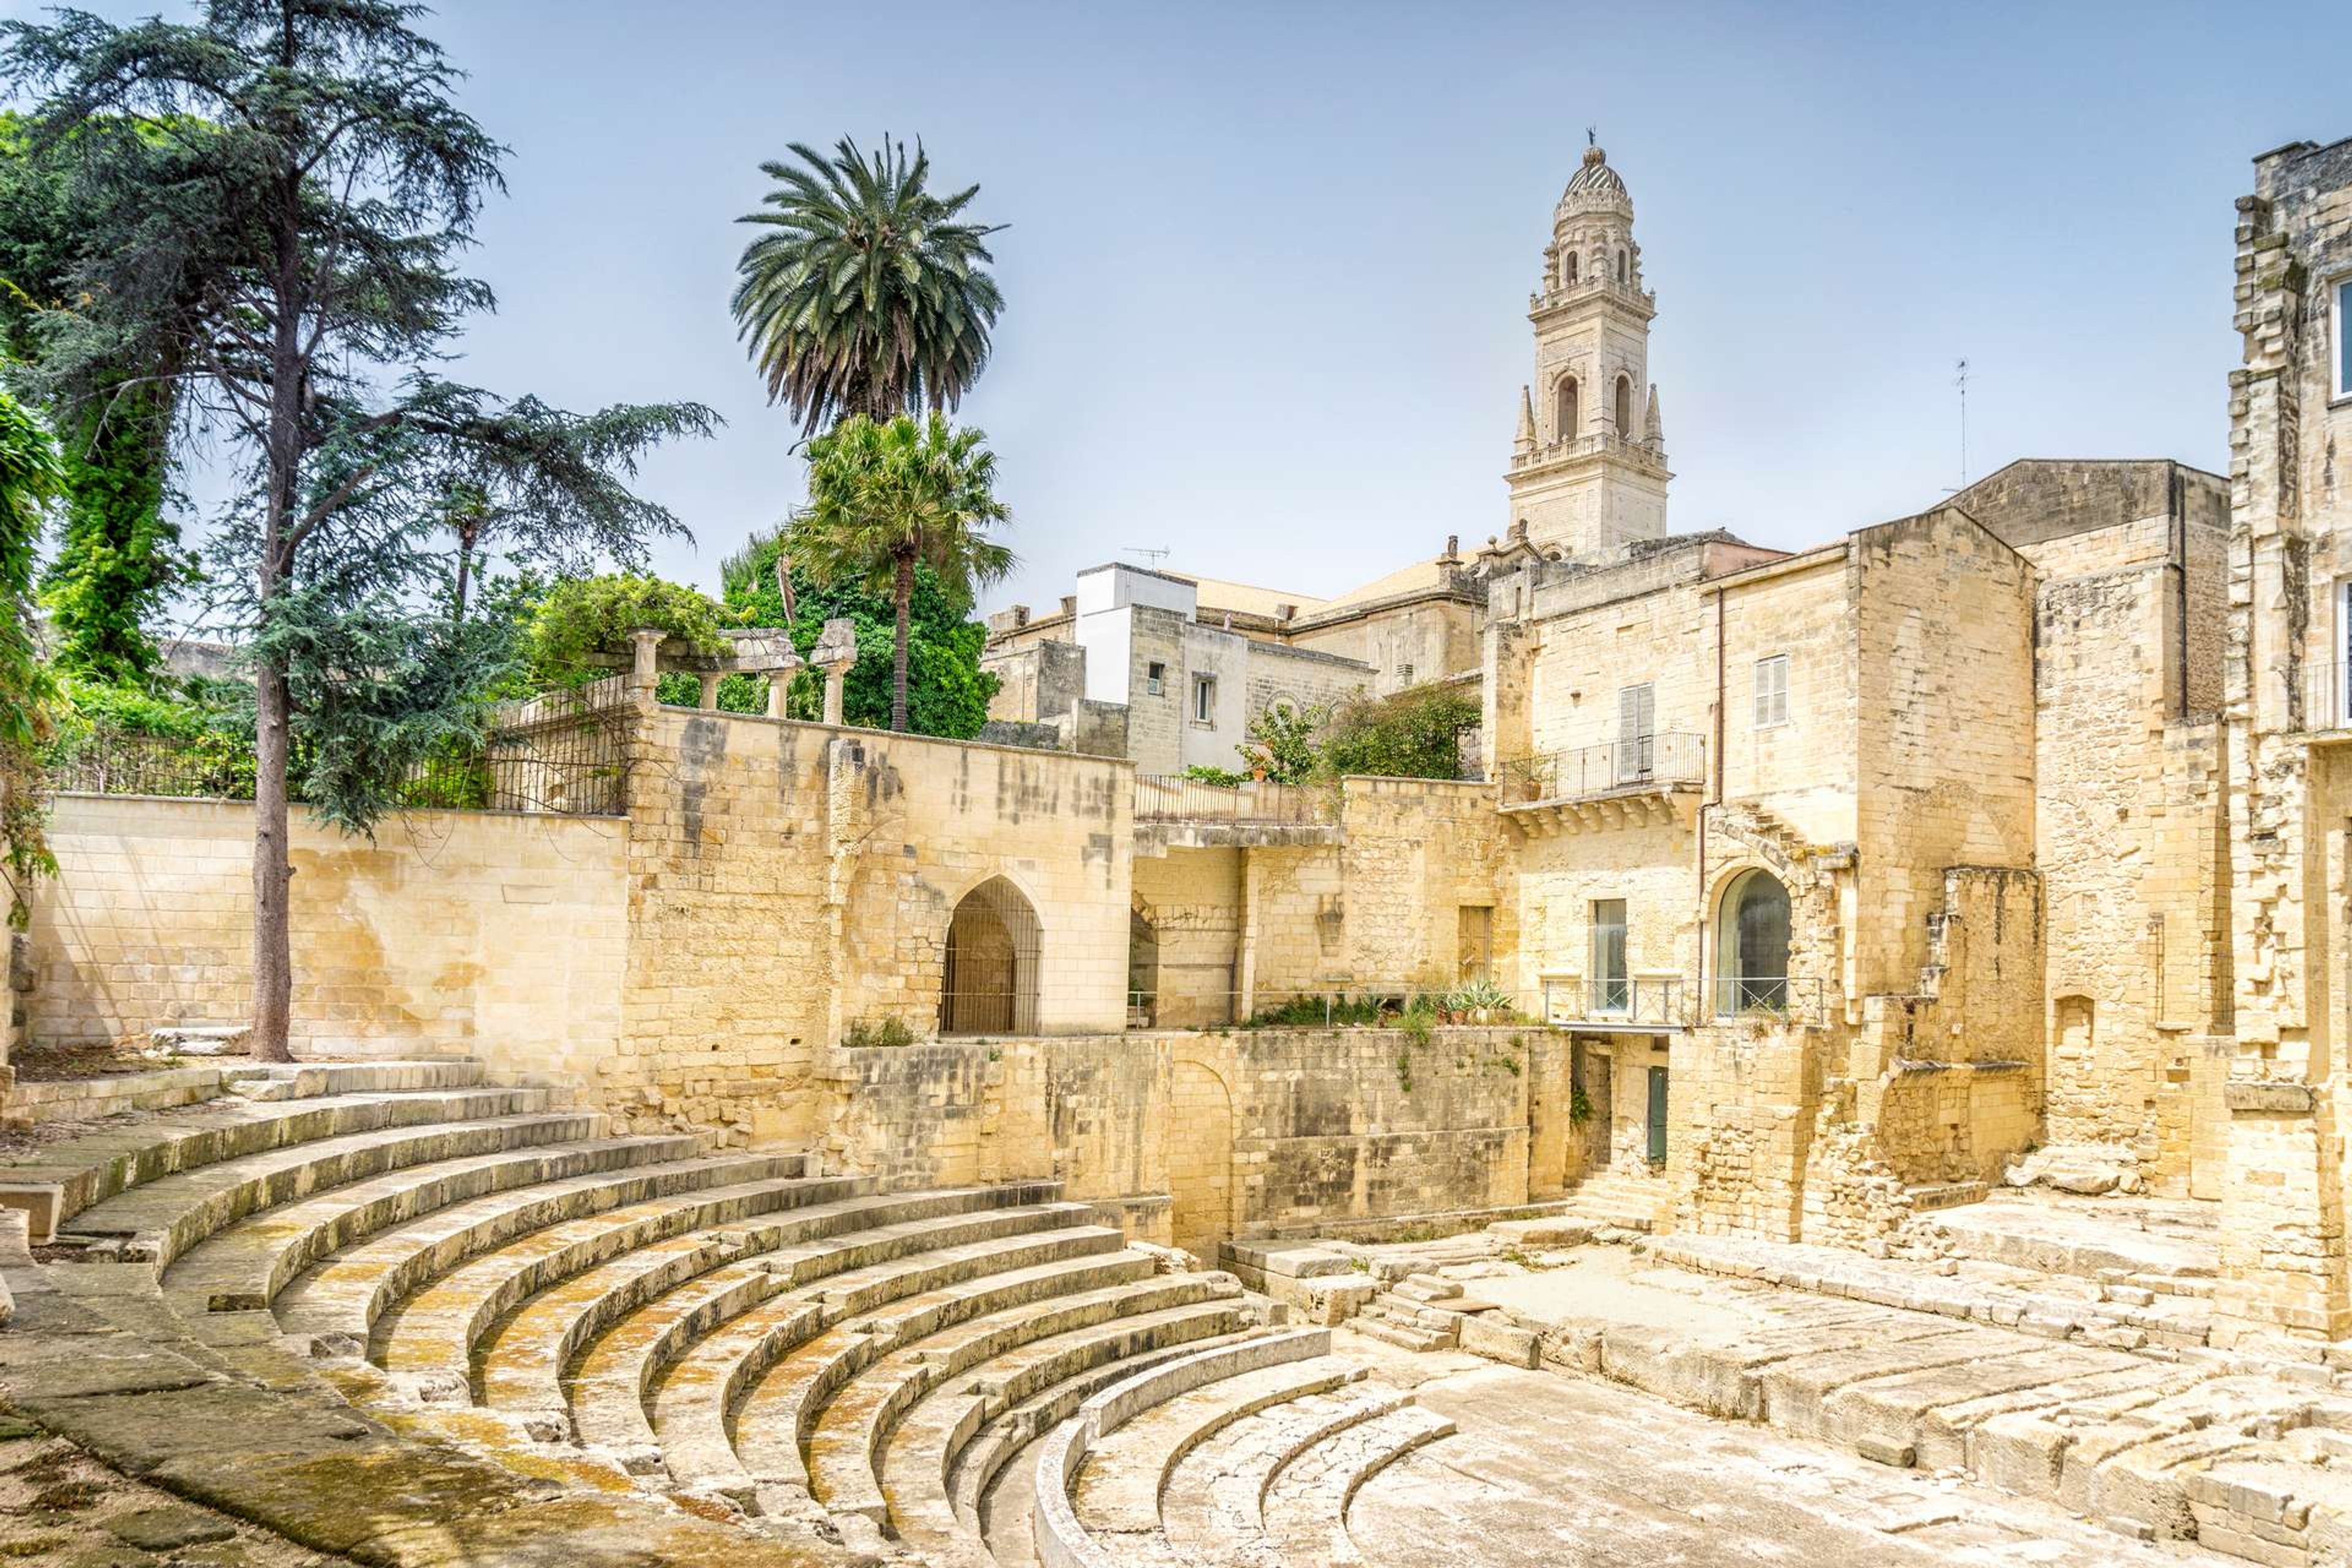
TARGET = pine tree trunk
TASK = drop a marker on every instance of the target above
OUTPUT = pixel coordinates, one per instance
(273, 868)
(903, 600)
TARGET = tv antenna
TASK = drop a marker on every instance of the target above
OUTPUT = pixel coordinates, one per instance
(1153, 554)
(1961, 380)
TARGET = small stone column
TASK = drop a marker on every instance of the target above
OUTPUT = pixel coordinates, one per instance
(710, 689)
(780, 683)
(645, 661)
(834, 652)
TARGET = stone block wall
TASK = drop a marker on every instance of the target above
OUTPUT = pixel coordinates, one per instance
(489, 933)
(1193, 899)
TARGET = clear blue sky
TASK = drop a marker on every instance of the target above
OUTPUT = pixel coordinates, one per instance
(1267, 265)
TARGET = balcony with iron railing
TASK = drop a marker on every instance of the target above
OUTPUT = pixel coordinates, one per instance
(1769, 999)
(1631, 1003)
(1620, 784)
(2325, 709)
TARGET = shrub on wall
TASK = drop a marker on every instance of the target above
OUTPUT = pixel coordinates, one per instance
(585, 616)
(1414, 733)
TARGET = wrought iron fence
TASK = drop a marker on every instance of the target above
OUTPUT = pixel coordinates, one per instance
(1642, 762)
(1794, 1000)
(576, 765)
(2327, 700)
(1628, 1002)
(1172, 797)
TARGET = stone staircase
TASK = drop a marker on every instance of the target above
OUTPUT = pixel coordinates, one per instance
(373, 1307)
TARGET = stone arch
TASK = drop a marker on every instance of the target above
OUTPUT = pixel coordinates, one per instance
(988, 982)
(1200, 1137)
(1569, 277)
(1624, 409)
(1568, 410)
(1753, 930)
(1624, 272)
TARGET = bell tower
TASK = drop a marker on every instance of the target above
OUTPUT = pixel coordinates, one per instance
(1588, 464)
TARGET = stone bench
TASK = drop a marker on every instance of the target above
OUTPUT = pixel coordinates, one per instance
(950, 1447)
(159, 1221)
(66, 1179)
(1216, 1497)
(608, 1390)
(246, 1265)
(694, 1401)
(1118, 1490)
(776, 1414)
(1062, 1541)
(846, 1442)
(426, 1342)
(1305, 1511)
(337, 1305)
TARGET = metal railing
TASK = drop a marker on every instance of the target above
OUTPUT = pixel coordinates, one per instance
(1642, 762)
(1631, 1001)
(2327, 700)
(1769, 998)
(1172, 797)
(577, 766)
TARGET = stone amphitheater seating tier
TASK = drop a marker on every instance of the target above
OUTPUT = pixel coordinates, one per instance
(468, 1295)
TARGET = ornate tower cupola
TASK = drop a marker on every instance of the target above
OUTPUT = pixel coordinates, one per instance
(1591, 474)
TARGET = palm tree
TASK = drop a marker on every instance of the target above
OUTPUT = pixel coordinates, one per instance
(867, 297)
(885, 498)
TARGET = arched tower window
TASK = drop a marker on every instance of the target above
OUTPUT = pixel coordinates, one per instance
(990, 986)
(1569, 412)
(1569, 275)
(1622, 275)
(1751, 946)
(1625, 406)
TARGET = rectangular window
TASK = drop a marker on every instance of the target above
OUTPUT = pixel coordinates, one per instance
(2343, 337)
(1637, 731)
(1772, 690)
(1204, 700)
(1155, 678)
(1611, 986)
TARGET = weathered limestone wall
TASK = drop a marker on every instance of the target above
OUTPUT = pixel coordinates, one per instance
(1943, 746)
(1406, 644)
(1193, 899)
(1294, 936)
(1801, 773)
(489, 933)
(1415, 853)
(1241, 1132)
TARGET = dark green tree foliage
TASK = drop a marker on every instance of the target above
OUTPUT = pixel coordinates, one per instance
(296, 259)
(120, 557)
(30, 481)
(1416, 734)
(948, 692)
(864, 293)
(580, 617)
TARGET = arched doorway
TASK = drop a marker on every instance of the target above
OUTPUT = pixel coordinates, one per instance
(1751, 946)
(990, 986)
(1200, 1161)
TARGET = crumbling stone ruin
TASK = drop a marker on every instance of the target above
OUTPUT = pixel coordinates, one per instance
(1852, 1071)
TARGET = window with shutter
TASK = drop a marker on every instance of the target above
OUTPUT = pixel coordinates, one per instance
(1637, 727)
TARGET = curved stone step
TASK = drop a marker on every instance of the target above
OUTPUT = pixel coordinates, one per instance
(844, 1443)
(1058, 1383)
(1119, 1490)
(523, 1364)
(755, 1383)
(1060, 1538)
(427, 1341)
(1216, 1497)
(338, 1303)
(949, 1445)
(607, 1392)
(245, 1266)
(307, 1081)
(1306, 1508)
(158, 1222)
(65, 1180)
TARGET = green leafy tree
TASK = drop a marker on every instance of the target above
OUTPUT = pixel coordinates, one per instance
(119, 558)
(887, 499)
(581, 616)
(298, 256)
(864, 293)
(30, 480)
(947, 691)
(1285, 743)
(1416, 734)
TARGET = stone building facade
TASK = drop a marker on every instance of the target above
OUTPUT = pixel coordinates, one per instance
(2006, 841)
